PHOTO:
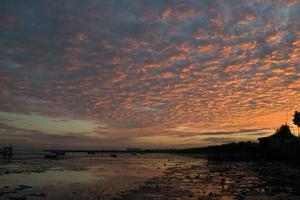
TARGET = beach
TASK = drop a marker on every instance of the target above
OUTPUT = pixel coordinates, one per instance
(145, 176)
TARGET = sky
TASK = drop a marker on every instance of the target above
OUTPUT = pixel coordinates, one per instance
(147, 73)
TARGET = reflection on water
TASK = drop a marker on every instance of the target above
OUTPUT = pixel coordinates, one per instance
(78, 176)
(48, 177)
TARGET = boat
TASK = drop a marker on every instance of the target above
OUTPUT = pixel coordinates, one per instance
(51, 155)
(113, 155)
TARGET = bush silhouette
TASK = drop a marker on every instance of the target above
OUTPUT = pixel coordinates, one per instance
(296, 120)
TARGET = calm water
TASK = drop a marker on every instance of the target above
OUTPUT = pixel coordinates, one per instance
(49, 177)
(77, 176)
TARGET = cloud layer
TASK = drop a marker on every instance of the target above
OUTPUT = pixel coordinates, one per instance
(143, 69)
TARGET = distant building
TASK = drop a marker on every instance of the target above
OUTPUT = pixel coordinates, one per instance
(280, 140)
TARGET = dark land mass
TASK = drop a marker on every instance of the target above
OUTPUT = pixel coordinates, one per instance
(281, 146)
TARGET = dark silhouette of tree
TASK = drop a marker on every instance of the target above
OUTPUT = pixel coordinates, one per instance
(296, 120)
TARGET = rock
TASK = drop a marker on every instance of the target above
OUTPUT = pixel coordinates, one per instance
(23, 187)
(38, 195)
(223, 181)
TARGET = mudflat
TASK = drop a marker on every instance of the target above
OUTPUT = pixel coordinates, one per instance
(203, 180)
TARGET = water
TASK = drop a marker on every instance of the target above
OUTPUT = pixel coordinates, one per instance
(49, 177)
(144, 176)
(78, 175)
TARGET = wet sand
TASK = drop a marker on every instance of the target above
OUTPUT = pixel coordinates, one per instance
(147, 177)
(222, 180)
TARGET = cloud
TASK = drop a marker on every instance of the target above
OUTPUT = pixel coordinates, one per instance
(144, 67)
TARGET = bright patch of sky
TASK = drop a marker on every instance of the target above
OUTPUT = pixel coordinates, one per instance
(50, 125)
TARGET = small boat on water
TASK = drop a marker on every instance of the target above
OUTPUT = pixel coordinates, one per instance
(51, 155)
(113, 155)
